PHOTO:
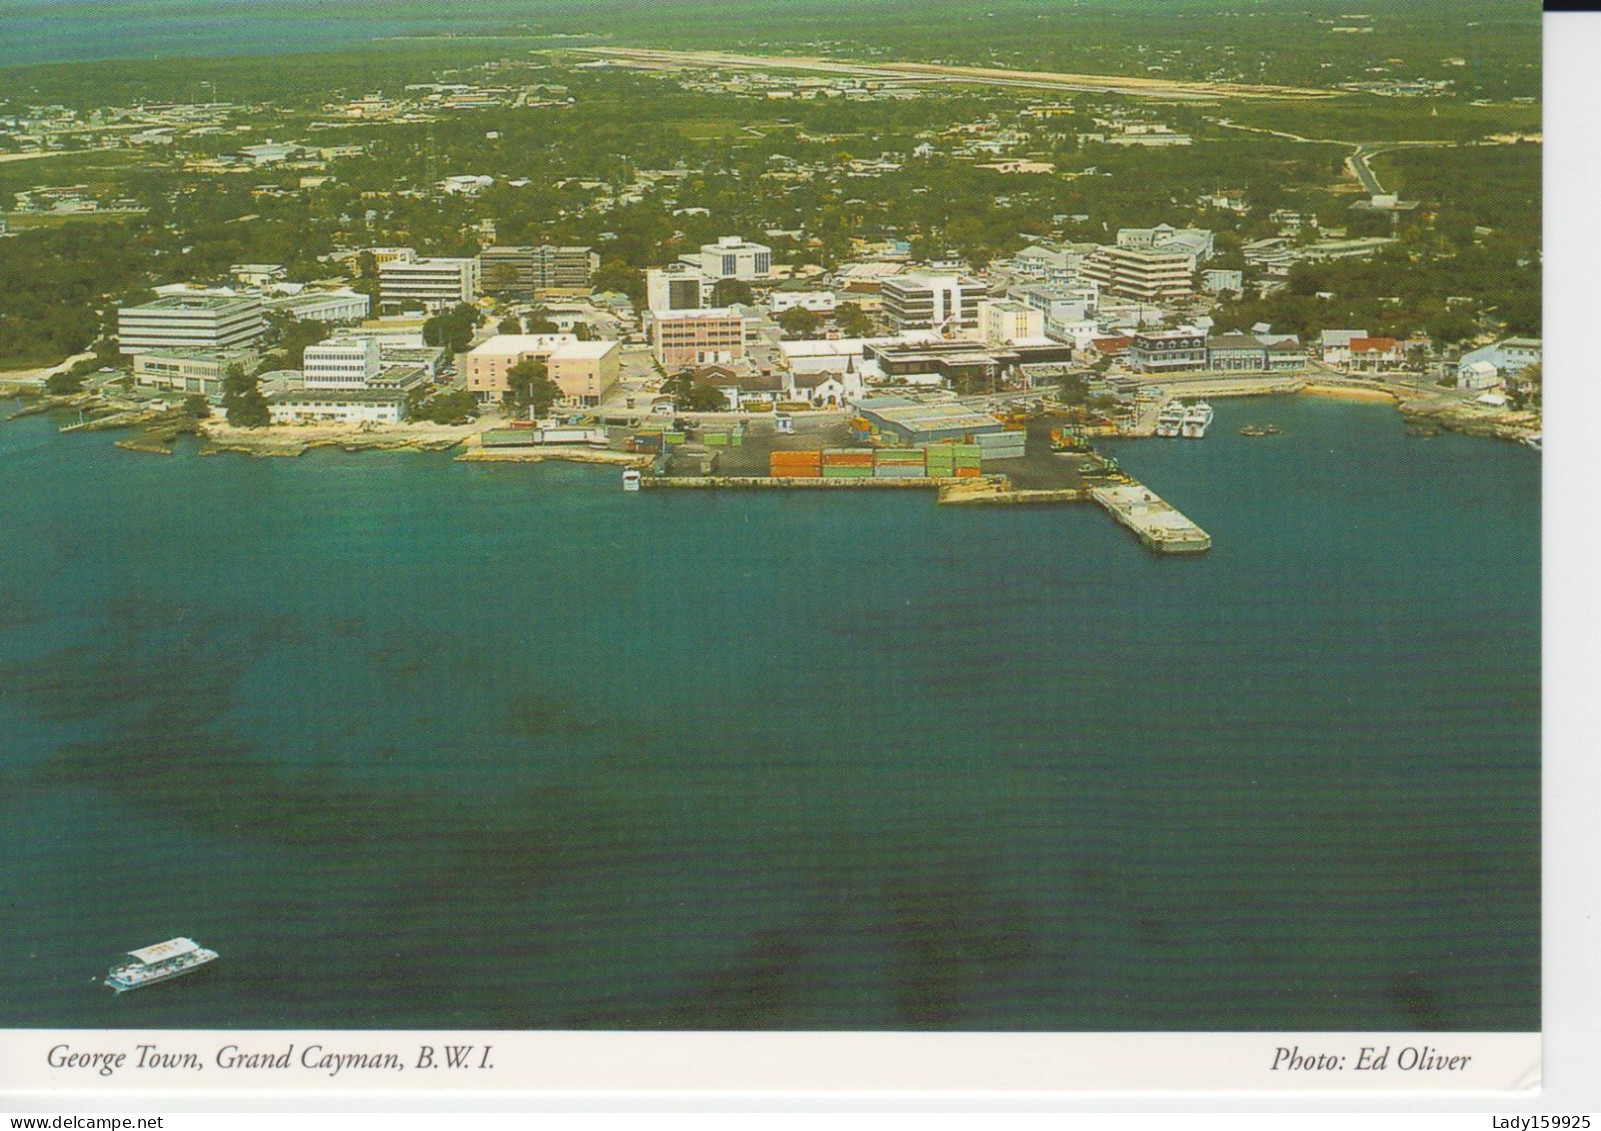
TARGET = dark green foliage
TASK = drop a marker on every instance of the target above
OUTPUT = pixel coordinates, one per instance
(852, 321)
(690, 395)
(63, 384)
(196, 406)
(457, 407)
(242, 402)
(726, 292)
(452, 329)
(798, 322)
(531, 387)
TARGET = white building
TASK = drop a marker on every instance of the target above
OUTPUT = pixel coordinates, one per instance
(677, 287)
(734, 258)
(435, 283)
(197, 321)
(343, 305)
(341, 363)
(1215, 282)
(1166, 238)
(330, 406)
(945, 303)
(1004, 321)
(1477, 375)
(818, 302)
(1336, 345)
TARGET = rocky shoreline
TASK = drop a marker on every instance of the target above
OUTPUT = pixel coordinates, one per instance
(1471, 419)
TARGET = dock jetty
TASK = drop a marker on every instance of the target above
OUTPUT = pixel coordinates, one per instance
(1157, 525)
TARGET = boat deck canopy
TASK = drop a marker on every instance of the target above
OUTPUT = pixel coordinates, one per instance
(162, 951)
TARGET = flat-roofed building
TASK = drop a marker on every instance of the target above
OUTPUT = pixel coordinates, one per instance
(677, 287)
(585, 371)
(194, 321)
(520, 271)
(337, 406)
(1003, 321)
(435, 284)
(323, 306)
(921, 300)
(697, 337)
(341, 363)
(1143, 274)
(190, 371)
(734, 258)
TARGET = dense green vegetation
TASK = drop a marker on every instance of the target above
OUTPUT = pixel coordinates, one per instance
(786, 172)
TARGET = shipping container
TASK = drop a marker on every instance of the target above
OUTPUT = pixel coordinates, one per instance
(968, 473)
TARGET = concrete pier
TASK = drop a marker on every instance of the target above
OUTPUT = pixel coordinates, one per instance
(1157, 525)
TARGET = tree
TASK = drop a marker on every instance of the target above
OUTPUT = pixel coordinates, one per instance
(196, 406)
(852, 320)
(63, 384)
(798, 322)
(531, 387)
(452, 329)
(510, 324)
(242, 402)
(539, 322)
(691, 395)
(620, 277)
(457, 407)
(1074, 389)
(726, 292)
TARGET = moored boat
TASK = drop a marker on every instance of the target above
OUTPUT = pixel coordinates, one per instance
(1171, 419)
(1197, 419)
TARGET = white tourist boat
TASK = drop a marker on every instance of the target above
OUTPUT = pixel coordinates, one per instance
(1197, 419)
(1171, 419)
(631, 478)
(159, 962)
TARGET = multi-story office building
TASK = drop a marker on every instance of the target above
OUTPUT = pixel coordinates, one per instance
(585, 371)
(341, 363)
(190, 371)
(196, 321)
(1147, 275)
(436, 284)
(519, 271)
(1168, 351)
(1164, 237)
(734, 258)
(922, 301)
(697, 337)
(677, 287)
(1236, 353)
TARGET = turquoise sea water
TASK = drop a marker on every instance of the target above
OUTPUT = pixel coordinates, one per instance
(419, 744)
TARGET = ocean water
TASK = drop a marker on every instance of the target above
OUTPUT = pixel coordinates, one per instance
(423, 744)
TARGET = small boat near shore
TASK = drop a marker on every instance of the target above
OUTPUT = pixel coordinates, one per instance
(1535, 441)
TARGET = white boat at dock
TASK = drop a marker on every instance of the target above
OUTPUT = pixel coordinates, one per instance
(1535, 441)
(159, 962)
(1197, 419)
(1171, 419)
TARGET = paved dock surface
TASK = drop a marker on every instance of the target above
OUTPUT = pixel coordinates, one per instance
(1156, 524)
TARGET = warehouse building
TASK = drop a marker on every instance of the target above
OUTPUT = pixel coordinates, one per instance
(918, 425)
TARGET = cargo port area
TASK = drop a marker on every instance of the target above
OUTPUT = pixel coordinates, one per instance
(1026, 461)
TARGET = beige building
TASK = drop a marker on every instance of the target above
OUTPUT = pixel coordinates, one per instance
(585, 371)
(697, 337)
(189, 370)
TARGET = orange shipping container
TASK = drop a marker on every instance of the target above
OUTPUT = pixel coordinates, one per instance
(968, 473)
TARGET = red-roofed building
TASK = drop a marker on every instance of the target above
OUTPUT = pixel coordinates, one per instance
(1376, 355)
(1111, 347)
